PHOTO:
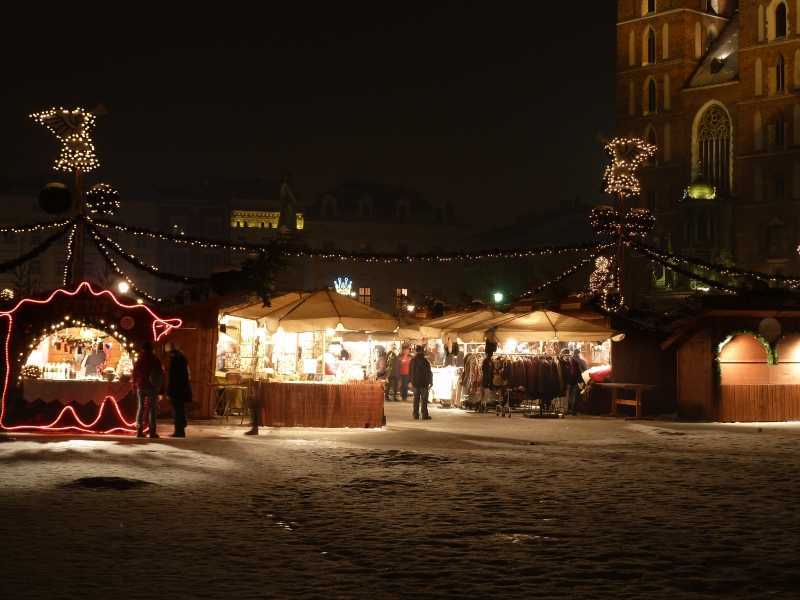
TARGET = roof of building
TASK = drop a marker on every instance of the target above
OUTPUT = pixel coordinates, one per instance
(721, 62)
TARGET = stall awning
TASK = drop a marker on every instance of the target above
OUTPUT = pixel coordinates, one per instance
(440, 326)
(540, 325)
(256, 310)
(325, 309)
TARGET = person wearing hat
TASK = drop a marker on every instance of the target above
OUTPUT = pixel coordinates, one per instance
(422, 380)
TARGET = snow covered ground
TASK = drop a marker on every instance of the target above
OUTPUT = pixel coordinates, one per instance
(468, 506)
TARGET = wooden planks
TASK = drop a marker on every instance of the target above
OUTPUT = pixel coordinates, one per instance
(321, 405)
(747, 403)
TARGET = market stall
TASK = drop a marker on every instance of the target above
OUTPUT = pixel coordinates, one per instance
(69, 361)
(317, 363)
(533, 357)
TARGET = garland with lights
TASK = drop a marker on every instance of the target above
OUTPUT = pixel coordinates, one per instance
(70, 250)
(561, 276)
(106, 254)
(35, 227)
(137, 262)
(102, 198)
(667, 264)
(791, 281)
(33, 252)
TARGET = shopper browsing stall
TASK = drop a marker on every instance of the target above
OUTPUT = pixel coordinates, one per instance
(403, 371)
(422, 380)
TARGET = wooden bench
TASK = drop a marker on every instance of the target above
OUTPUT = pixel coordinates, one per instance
(637, 388)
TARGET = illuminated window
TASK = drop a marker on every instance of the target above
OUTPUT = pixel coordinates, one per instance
(713, 145)
(400, 297)
(365, 296)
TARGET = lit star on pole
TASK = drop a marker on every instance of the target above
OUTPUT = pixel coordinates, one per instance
(71, 128)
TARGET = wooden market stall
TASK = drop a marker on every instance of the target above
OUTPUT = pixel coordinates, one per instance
(737, 364)
(69, 360)
(297, 377)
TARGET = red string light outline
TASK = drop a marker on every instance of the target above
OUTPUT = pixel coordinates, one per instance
(160, 328)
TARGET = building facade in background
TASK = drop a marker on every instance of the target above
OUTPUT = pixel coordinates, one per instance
(714, 84)
(354, 217)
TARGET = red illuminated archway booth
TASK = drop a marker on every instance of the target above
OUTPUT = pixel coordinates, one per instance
(49, 382)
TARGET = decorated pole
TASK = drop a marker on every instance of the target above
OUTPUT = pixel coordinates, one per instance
(72, 128)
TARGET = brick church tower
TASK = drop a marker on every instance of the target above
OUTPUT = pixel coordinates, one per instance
(714, 84)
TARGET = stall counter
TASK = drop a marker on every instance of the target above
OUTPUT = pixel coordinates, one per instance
(311, 404)
(78, 391)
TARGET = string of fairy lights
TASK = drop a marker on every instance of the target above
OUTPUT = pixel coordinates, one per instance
(612, 227)
(72, 128)
(70, 251)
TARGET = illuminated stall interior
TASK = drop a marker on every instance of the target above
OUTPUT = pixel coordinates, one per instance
(80, 352)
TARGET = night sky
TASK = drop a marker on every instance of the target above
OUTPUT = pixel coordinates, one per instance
(474, 102)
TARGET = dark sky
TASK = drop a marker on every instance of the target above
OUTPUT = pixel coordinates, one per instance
(492, 107)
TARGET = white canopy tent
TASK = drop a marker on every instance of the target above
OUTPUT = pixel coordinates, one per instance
(321, 311)
(537, 326)
(439, 327)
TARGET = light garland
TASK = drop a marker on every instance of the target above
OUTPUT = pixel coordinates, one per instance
(106, 253)
(627, 157)
(70, 250)
(290, 251)
(103, 199)
(564, 274)
(604, 284)
(33, 253)
(668, 264)
(790, 281)
(36, 227)
(71, 128)
(140, 264)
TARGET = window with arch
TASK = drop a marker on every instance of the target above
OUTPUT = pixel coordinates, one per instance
(631, 49)
(776, 131)
(758, 132)
(650, 96)
(665, 41)
(781, 20)
(759, 77)
(648, 7)
(713, 145)
(780, 74)
(651, 46)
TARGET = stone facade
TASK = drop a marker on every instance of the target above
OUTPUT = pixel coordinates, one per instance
(714, 85)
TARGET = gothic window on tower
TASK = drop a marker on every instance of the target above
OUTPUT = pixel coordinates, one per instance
(650, 135)
(780, 74)
(651, 97)
(651, 46)
(780, 20)
(648, 7)
(713, 145)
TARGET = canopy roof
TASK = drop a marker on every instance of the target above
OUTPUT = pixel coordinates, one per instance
(256, 310)
(316, 311)
(440, 326)
(540, 325)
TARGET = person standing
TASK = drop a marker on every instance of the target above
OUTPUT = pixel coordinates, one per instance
(93, 363)
(403, 370)
(422, 380)
(179, 388)
(148, 380)
(579, 365)
(391, 376)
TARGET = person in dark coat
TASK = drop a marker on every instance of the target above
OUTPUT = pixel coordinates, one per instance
(422, 380)
(179, 388)
(148, 381)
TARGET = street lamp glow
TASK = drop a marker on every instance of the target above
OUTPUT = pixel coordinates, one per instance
(123, 287)
(498, 297)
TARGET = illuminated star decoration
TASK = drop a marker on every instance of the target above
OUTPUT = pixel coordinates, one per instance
(71, 128)
(627, 156)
